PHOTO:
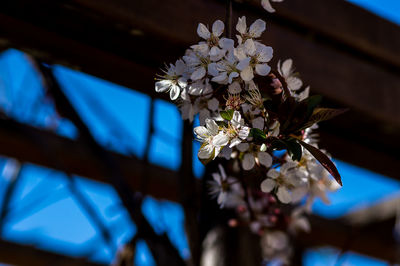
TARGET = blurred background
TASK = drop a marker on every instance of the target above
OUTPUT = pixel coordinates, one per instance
(93, 160)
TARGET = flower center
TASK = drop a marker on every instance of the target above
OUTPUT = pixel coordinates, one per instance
(234, 101)
(213, 41)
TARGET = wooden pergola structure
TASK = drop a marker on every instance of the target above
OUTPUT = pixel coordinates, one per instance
(348, 55)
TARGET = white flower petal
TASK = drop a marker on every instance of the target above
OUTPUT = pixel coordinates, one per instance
(299, 193)
(288, 165)
(202, 48)
(287, 67)
(222, 171)
(221, 78)
(226, 44)
(218, 28)
(217, 178)
(220, 140)
(191, 60)
(304, 94)
(244, 63)
(174, 92)
(263, 69)
(248, 161)
(205, 152)
(182, 82)
(216, 53)
(234, 142)
(294, 83)
(240, 40)
(258, 122)
(213, 104)
(257, 28)
(196, 88)
(234, 88)
(268, 185)
(283, 195)
(244, 132)
(162, 85)
(199, 73)
(212, 126)
(180, 67)
(203, 115)
(250, 47)
(222, 197)
(264, 158)
(203, 32)
(272, 173)
(236, 118)
(241, 26)
(239, 53)
(247, 74)
(201, 132)
(302, 224)
(213, 69)
(242, 147)
(232, 76)
(265, 54)
(263, 147)
(226, 152)
(267, 6)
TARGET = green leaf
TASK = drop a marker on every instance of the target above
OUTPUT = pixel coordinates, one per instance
(322, 114)
(294, 148)
(312, 103)
(278, 144)
(227, 115)
(324, 160)
(258, 134)
(291, 145)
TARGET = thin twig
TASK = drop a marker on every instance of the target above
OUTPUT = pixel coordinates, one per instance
(228, 18)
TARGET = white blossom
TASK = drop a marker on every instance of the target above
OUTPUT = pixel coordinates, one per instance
(226, 68)
(213, 139)
(173, 80)
(282, 180)
(261, 158)
(217, 78)
(237, 131)
(255, 30)
(253, 55)
(287, 71)
(198, 62)
(214, 46)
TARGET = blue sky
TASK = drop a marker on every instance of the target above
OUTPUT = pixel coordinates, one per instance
(57, 222)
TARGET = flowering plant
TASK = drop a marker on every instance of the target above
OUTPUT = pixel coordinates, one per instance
(261, 120)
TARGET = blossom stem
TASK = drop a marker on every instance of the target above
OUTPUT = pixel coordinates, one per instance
(246, 194)
(228, 19)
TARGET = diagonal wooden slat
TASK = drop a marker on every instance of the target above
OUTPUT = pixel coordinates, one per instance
(21, 141)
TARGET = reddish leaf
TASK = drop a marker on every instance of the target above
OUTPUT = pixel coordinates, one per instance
(324, 160)
(322, 114)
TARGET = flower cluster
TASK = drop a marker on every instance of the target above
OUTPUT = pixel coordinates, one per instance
(259, 122)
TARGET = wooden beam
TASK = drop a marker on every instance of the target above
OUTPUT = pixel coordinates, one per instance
(23, 142)
(122, 44)
(344, 23)
(25, 255)
(374, 239)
